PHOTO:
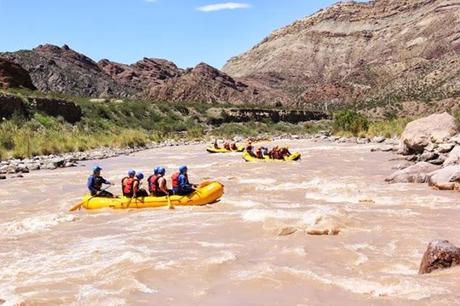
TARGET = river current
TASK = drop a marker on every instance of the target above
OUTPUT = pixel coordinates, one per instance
(231, 253)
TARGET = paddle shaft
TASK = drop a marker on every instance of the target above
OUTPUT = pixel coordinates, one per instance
(79, 205)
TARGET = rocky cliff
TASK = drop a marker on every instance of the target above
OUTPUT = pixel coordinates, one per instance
(63, 70)
(13, 75)
(380, 53)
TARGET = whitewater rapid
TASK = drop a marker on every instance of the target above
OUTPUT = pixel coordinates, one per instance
(231, 253)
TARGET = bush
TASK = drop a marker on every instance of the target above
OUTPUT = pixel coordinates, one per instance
(389, 128)
(350, 121)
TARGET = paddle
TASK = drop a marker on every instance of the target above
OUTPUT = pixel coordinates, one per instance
(79, 205)
(170, 205)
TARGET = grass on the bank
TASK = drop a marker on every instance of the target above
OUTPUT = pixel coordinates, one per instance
(350, 123)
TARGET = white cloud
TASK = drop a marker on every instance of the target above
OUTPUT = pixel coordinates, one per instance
(223, 6)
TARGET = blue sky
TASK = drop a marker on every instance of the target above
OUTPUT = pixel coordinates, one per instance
(184, 31)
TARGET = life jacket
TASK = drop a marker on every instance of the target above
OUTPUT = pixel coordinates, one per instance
(227, 146)
(127, 184)
(234, 147)
(153, 183)
(97, 182)
(249, 148)
(259, 154)
(175, 180)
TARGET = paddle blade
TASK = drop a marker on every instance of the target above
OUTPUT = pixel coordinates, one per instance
(78, 206)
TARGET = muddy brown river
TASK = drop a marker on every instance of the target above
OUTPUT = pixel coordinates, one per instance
(231, 253)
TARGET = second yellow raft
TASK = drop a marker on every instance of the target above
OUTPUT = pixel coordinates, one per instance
(249, 158)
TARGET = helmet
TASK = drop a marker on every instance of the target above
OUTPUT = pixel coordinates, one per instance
(155, 171)
(131, 172)
(140, 176)
(97, 169)
(183, 169)
(161, 170)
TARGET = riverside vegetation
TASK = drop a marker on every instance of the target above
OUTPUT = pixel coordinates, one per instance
(130, 124)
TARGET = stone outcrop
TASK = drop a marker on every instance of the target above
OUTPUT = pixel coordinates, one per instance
(61, 69)
(453, 158)
(10, 105)
(380, 53)
(440, 254)
(13, 75)
(435, 129)
(417, 173)
(57, 107)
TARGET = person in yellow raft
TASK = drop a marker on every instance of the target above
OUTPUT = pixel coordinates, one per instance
(180, 183)
(95, 182)
(131, 185)
(157, 183)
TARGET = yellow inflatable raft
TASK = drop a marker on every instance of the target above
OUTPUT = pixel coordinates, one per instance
(249, 158)
(222, 150)
(205, 194)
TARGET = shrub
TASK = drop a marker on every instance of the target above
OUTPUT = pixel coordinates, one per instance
(350, 121)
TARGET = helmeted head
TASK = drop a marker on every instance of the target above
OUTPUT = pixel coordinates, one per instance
(131, 173)
(97, 170)
(183, 169)
(140, 176)
(161, 171)
(155, 171)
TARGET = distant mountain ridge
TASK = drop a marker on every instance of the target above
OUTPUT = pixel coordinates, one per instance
(381, 53)
(63, 70)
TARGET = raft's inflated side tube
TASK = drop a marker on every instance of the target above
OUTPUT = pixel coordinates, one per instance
(222, 150)
(207, 194)
(249, 158)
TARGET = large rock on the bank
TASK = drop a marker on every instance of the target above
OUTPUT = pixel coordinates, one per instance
(420, 133)
(453, 158)
(440, 254)
(417, 173)
(446, 178)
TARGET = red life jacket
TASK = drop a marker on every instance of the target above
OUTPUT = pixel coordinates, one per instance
(127, 184)
(153, 183)
(175, 180)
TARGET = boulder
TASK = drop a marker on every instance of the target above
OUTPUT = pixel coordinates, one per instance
(417, 173)
(420, 133)
(445, 147)
(378, 139)
(427, 156)
(445, 178)
(453, 158)
(440, 254)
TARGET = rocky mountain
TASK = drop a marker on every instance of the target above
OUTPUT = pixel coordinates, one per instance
(146, 73)
(386, 55)
(63, 70)
(206, 83)
(55, 69)
(13, 75)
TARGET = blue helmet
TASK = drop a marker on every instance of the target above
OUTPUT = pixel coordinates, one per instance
(140, 176)
(131, 172)
(161, 170)
(155, 171)
(97, 168)
(183, 169)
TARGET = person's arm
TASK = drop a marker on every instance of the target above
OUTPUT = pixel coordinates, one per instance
(90, 184)
(162, 184)
(135, 188)
(106, 181)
